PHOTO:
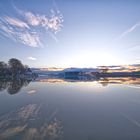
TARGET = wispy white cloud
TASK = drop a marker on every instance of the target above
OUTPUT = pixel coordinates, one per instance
(137, 61)
(32, 19)
(31, 58)
(30, 39)
(53, 23)
(16, 22)
(30, 29)
(6, 31)
(131, 29)
(21, 35)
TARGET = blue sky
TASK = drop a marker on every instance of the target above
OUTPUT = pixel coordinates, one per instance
(70, 33)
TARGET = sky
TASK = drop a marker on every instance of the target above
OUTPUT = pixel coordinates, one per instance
(70, 33)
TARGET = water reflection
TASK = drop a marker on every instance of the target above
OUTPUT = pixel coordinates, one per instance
(30, 122)
(126, 81)
(69, 103)
(103, 81)
(13, 86)
(32, 91)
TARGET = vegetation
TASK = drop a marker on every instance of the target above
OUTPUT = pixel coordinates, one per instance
(14, 69)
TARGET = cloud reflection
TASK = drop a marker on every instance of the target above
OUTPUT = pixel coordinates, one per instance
(31, 91)
(30, 123)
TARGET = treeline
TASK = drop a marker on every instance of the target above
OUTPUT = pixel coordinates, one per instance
(14, 69)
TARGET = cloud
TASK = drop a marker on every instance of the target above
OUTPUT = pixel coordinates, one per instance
(31, 58)
(131, 29)
(30, 39)
(18, 34)
(32, 19)
(53, 23)
(16, 22)
(30, 28)
(137, 61)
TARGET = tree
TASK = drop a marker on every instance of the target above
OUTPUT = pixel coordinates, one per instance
(3, 67)
(16, 66)
(14, 69)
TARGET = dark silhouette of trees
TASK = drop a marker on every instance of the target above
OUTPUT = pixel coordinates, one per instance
(3, 67)
(14, 69)
(14, 75)
(15, 66)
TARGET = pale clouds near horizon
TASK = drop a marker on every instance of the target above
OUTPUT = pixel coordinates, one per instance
(29, 28)
(31, 58)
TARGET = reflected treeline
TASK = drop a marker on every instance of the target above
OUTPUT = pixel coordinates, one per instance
(31, 122)
(104, 81)
(13, 86)
(116, 80)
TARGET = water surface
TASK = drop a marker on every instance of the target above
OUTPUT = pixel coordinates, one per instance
(58, 109)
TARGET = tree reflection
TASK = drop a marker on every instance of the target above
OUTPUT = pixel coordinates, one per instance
(3, 85)
(13, 86)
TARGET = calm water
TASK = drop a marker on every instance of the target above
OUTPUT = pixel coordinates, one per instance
(54, 109)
